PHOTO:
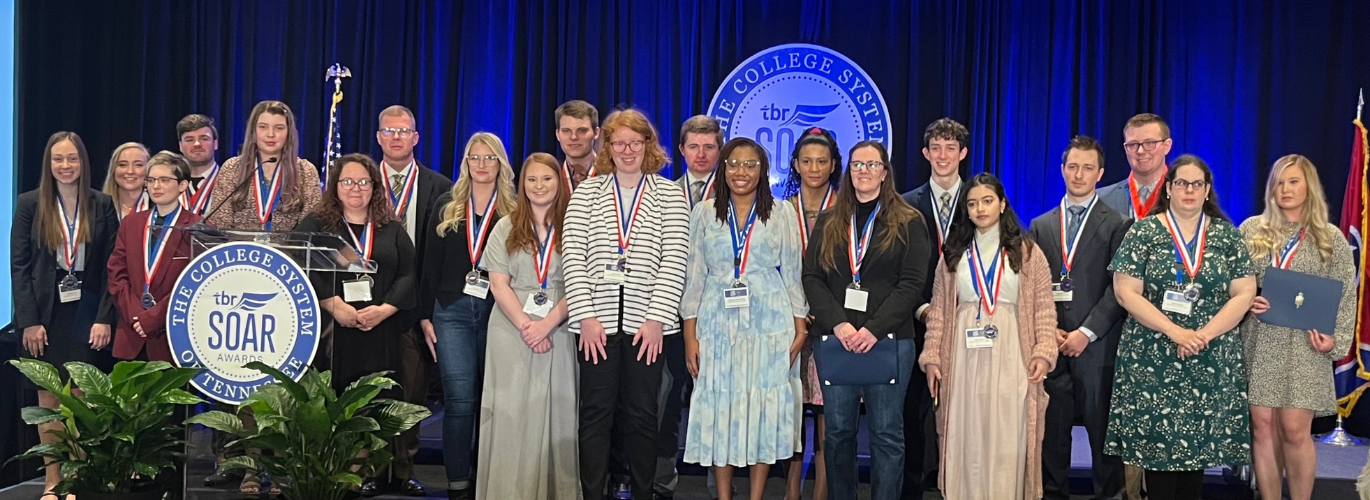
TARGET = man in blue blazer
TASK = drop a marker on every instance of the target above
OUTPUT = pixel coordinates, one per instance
(1146, 139)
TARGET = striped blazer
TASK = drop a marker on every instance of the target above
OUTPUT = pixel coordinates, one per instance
(656, 255)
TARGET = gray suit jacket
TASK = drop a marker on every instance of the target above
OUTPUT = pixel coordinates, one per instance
(1094, 305)
(1117, 197)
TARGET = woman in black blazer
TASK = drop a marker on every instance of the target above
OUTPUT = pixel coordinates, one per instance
(61, 240)
(861, 302)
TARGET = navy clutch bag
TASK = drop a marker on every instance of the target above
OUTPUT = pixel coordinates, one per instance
(1301, 301)
(838, 366)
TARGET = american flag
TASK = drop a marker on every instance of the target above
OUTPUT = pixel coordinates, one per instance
(333, 149)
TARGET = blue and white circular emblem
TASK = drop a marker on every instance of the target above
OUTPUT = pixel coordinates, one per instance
(775, 95)
(237, 303)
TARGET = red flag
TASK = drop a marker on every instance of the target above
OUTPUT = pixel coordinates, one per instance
(1350, 371)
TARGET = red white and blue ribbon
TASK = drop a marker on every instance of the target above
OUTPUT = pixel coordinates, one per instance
(1291, 248)
(987, 280)
(804, 221)
(142, 203)
(266, 195)
(197, 199)
(542, 261)
(944, 220)
(366, 242)
(475, 237)
(742, 240)
(626, 220)
(1191, 253)
(1070, 242)
(71, 228)
(400, 201)
(856, 250)
(705, 193)
(155, 246)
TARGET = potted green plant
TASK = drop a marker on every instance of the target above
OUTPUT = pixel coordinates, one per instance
(320, 443)
(118, 432)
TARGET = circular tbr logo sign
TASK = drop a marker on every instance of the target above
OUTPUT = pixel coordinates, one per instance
(238, 303)
(777, 94)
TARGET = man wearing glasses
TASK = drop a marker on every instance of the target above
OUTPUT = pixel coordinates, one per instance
(413, 190)
(1146, 139)
(577, 130)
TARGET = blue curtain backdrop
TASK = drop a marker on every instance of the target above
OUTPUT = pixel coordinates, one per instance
(1241, 83)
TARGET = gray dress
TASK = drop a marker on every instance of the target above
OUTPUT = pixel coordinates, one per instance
(529, 404)
(1283, 370)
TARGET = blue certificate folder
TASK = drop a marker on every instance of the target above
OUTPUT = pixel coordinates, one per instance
(1301, 301)
(838, 366)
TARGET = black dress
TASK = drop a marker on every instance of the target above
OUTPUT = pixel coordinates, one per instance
(357, 353)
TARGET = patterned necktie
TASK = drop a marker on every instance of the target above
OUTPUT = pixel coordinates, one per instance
(1076, 212)
(946, 207)
(1144, 193)
(696, 190)
(396, 183)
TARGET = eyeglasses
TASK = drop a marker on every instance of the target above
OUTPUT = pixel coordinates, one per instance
(1182, 185)
(474, 160)
(1133, 147)
(633, 146)
(734, 164)
(870, 166)
(403, 133)
(362, 184)
(158, 181)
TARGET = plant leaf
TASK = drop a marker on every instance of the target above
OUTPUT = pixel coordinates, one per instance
(172, 378)
(357, 424)
(35, 415)
(219, 421)
(313, 421)
(41, 373)
(241, 462)
(179, 397)
(347, 478)
(354, 398)
(292, 386)
(395, 417)
(89, 378)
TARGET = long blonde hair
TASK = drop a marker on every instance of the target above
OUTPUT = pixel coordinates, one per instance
(111, 187)
(505, 202)
(1266, 235)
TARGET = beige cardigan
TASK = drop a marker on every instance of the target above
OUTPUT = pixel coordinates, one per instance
(1037, 329)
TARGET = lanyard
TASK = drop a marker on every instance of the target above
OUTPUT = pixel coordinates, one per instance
(542, 261)
(987, 281)
(266, 195)
(856, 251)
(1189, 254)
(742, 240)
(475, 237)
(626, 219)
(1070, 242)
(155, 246)
(71, 229)
(366, 243)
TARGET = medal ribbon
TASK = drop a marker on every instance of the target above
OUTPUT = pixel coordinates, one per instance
(1189, 254)
(1142, 207)
(1070, 242)
(155, 246)
(986, 282)
(856, 251)
(266, 195)
(71, 228)
(366, 243)
(401, 202)
(1286, 257)
(626, 220)
(804, 221)
(475, 237)
(944, 220)
(542, 261)
(742, 241)
(198, 199)
(704, 193)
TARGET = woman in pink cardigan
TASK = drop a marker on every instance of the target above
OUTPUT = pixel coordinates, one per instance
(991, 341)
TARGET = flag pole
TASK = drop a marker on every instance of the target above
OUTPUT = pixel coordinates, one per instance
(335, 74)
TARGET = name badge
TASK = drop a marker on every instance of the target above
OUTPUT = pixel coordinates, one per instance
(67, 293)
(976, 339)
(533, 308)
(357, 290)
(1177, 303)
(479, 289)
(735, 297)
(615, 274)
(1060, 295)
(856, 299)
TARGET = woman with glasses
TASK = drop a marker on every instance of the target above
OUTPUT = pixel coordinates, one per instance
(991, 342)
(745, 321)
(627, 237)
(148, 257)
(863, 276)
(124, 179)
(1179, 391)
(454, 294)
(1290, 371)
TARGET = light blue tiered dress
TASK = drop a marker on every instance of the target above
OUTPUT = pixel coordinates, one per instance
(742, 411)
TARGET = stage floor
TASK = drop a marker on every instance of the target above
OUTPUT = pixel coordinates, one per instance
(1337, 470)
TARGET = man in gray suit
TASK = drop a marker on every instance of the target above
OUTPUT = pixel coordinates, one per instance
(1079, 238)
(1146, 139)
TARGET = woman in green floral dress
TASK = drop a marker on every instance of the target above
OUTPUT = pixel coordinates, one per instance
(1179, 390)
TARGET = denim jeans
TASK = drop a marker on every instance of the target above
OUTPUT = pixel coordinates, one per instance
(885, 412)
(461, 329)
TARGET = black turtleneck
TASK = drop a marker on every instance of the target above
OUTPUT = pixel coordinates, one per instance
(863, 210)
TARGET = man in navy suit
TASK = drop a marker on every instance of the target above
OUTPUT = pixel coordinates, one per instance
(1146, 139)
(1079, 238)
(944, 145)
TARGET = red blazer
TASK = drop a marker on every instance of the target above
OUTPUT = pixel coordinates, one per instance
(126, 285)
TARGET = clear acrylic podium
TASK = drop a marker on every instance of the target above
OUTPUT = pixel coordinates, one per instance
(314, 253)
